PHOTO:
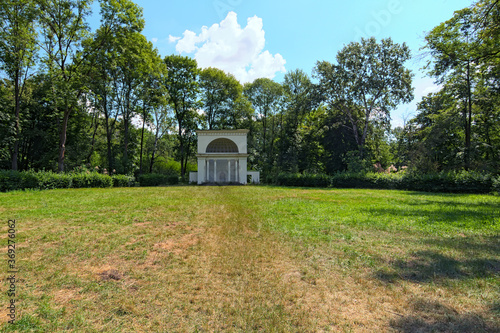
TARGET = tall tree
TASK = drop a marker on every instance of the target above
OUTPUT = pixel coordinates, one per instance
(462, 48)
(368, 81)
(182, 86)
(451, 45)
(299, 101)
(266, 97)
(17, 54)
(99, 81)
(154, 104)
(437, 128)
(6, 126)
(106, 62)
(134, 64)
(161, 124)
(63, 29)
(219, 93)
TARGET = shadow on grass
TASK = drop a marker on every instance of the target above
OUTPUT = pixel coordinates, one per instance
(433, 266)
(468, 246)
(451, 200)
(475, 257)
(481, 218)
(431, 316)
(472, 258)
(428, 209)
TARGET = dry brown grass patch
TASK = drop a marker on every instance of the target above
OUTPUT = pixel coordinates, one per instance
(178, 245)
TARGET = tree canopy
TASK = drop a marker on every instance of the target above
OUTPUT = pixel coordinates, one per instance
(107, 100)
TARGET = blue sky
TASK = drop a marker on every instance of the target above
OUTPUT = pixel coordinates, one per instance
(259, 38)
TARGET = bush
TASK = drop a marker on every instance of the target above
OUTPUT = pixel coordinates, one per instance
(350, 180)
(91, 179)
(496, 184)
(9, 180)
(459, 182)
(47, 180)
(155, 179)
(166, 166)
(123, 181)
(306, 180)
(356, 164)
(44, 180)
(29, 179)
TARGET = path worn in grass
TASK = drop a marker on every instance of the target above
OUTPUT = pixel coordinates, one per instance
(239, 259)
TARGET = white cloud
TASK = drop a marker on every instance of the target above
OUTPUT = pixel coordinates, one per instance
(424, 86)
(433, 88)
(154, 39)
(173, 39)
(239, 51)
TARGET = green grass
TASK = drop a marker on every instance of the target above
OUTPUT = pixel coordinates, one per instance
(384, 210)
(202, 259)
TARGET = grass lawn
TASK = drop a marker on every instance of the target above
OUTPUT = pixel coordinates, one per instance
(252, 258)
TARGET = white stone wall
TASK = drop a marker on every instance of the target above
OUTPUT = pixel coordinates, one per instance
(255, 176)
(193, 177)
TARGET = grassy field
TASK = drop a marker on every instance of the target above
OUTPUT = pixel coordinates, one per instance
(240, 259)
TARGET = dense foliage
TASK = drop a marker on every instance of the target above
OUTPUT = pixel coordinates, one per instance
(106, 101)
(42, 180)
(458, 182)
(155, 179)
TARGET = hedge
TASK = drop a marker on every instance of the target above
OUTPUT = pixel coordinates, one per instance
(42, 180)
(306, 180)
(155, 179)
(15, 180)
(123, 181)
(496, 184)
(92, 179)
(458, 182)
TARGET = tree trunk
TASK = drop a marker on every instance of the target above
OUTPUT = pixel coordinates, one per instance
(125, 152)
(181, 150)
(354, 125)
(62, 139)
(89, 156)
(108, 138)
(468, 121)
(154, 152)
(210, 120)
(142, 139)
(152, 162)
(15, 152)
(125, 143)
(271, 145)
(27, 159)
(264, 125)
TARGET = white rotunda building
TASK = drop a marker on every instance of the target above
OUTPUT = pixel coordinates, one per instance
(222, 158)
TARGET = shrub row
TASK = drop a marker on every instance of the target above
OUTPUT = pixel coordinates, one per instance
(155, 179)
(496, 185)
(43, 180)
(459, 182)
(123, 181)
(305, 180)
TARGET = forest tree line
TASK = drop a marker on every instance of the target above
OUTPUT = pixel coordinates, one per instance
(106, 100)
